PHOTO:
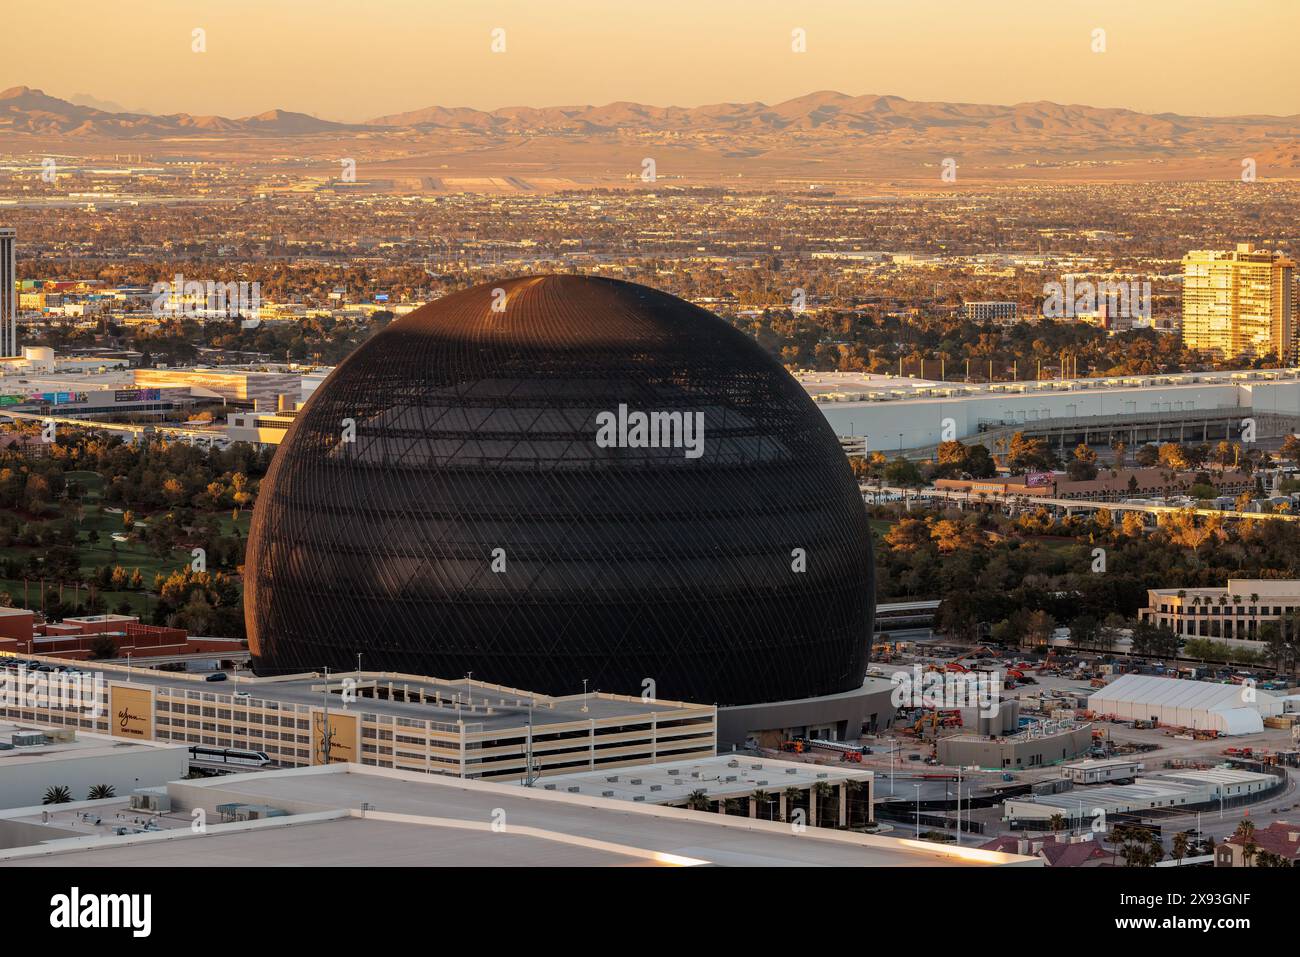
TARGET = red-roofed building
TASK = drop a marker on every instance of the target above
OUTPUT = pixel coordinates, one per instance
(1058, 851)
(1281, 838)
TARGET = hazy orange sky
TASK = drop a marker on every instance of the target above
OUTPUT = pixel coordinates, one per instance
(355, 59)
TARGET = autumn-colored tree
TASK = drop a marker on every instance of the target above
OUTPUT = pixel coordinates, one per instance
(1174, 456)
(907, 535)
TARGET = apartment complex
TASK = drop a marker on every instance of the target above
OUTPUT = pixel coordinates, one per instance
(1239, 302)
(989, 311)
(1236, 612)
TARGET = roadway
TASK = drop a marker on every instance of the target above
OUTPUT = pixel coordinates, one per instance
(241, 655)
(875, 495)
(136, 430)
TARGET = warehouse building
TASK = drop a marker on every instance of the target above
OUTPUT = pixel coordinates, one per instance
(1184, 791)
(1175, 702)
(894, 414)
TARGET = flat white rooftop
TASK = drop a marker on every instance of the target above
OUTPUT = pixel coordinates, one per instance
(87, 744)
(857, 387)
(1096, 764)
(722, 776)
(101, 818)
(1142, 794)
(1221, 777)
(349, 815)
(1175, 790)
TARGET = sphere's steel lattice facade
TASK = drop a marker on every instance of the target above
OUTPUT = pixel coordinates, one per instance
(475, 438)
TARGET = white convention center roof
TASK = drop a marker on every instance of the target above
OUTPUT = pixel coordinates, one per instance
(1227, 708)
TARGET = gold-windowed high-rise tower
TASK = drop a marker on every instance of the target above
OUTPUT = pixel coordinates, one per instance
(1240, 303)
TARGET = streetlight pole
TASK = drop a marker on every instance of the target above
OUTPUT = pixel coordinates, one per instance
(918, 810)
(325, 720)
(528, 765)
(959, 804)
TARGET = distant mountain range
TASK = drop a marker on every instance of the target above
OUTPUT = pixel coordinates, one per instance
(828, 111)
(25, 110)
(828, 139)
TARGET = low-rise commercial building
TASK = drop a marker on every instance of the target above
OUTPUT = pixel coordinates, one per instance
(1058, 850)
(1049, 743)
(989, 311)
(1101, 770)
(1123, 484)
(1237, 612)
(36, 758)
(1185, 790)
(1281, 839)
(81, 638)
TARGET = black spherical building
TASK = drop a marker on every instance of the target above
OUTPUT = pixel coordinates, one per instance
(563, 478)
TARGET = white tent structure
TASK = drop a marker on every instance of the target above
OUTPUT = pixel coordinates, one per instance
(1204, 705)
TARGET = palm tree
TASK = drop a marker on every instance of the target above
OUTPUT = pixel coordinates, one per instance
(1248, 851)
(1246, 832)
(820, 792)
(1181, 841)
(792, 798)
(100, 792)
(1155, 851)
(57, 794)
(1118, 836)
(1141, 848)
(761, 800)
(1056, 823)
(852, 789)
(698, 800)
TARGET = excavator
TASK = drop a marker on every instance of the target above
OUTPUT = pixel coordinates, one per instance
(935, 720)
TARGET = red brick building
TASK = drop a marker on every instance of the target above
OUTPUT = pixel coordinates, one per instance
(76, 638)
(1125, 483)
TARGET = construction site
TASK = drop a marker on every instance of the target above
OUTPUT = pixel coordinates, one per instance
(986, 742)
